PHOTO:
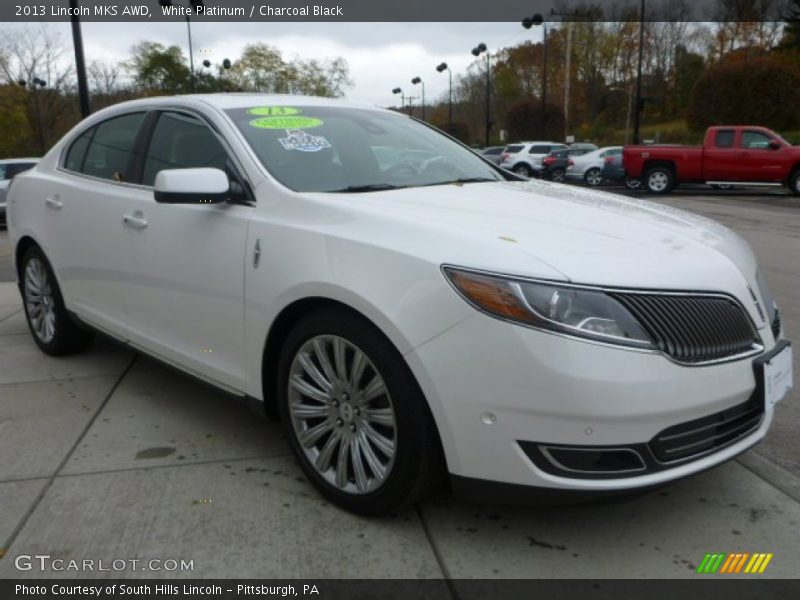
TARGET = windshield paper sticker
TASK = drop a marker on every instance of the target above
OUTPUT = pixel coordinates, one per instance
(298, 139)
(289, 122)
(274, 111)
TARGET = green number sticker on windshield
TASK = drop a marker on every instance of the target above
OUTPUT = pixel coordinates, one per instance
(274, 111)
(286, 123)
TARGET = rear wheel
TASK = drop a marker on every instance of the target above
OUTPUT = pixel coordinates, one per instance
(633, 184)
(558, 175)
(523, 170)
(53, 329)
(794, 183)
(593, 177)
(659, 179)
(355, 416)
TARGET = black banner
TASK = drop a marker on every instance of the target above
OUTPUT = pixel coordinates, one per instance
(404, 10)
(710, 587)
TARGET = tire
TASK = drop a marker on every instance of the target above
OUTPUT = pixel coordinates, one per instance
(523, 170)
(316, 403)
(632, 184)
(794, 182)
(51, 326)
(593, 177)
(659, 179)
(558, 175)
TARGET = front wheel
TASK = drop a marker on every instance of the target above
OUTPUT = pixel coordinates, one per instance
(523, 170)
(659, 180)
(52, 328)
(355, 416)
(593, 177)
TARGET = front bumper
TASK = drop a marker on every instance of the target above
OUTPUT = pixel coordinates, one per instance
(494, 386)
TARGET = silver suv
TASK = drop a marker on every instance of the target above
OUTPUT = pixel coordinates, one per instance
(525, 158)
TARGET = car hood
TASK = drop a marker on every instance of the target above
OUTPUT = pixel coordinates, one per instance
(564, 232)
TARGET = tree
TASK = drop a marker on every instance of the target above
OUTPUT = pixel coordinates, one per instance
(761, 90)
(16, 136)
(791, 32)
(155, 67)
(524, 121)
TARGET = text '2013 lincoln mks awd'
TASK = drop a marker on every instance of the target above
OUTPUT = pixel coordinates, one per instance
(406, 307)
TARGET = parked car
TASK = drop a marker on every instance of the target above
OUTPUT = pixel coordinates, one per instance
(588, 168)
(9, 168)
(730, 155)
(554, 165)
(525, 158)
(614, 170)
(403, 321)
(493, 153)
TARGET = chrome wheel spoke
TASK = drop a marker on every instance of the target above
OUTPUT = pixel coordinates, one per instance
(339, 359)
(322, 356)
(309, 411)
(357, 369)
(383, 443)
(373, 389)
(381, 416)
(312, 371)
(342, 477)
(372, 459)
(310, 436)
(305, 388)
(358, 464)
(39, 302)
(323, 462)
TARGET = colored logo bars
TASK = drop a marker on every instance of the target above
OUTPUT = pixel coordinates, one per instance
(737, 562)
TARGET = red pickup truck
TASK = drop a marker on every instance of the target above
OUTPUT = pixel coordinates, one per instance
(730, 155)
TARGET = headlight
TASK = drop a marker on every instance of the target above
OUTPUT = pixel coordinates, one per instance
(574, 311)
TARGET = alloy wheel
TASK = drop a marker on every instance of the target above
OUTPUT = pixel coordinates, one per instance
(39, 300)
(658, 181)
(342, 414)
(558, 176)
(593, 177)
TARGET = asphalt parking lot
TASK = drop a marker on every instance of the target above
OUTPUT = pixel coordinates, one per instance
(109, 455)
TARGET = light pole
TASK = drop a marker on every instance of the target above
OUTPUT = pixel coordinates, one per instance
(34, 85)
(636, 115)
(527, 23)
(629, 92)
(80, 63)
(441, 68)
(477, 51)
(194, 5)
(418, 80)
(397, 90)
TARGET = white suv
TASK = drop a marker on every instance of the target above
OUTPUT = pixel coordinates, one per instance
(525, 158)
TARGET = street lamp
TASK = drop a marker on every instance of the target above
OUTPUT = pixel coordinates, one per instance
(226, 65)
(415, 81)
(35, 84)
(398, 90)
(527, 23)
(477, 51)
(636, 115)
(194, 5)
(80, 63)
(441, 68)
(629, 92)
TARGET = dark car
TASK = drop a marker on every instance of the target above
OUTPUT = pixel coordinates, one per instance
(493, 154)
(554, 165)
(613, 170)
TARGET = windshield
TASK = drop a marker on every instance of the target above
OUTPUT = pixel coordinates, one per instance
(337, 149)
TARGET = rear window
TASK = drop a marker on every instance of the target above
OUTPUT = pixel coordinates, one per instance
(493, 151)
(514, 149)
(724, 138)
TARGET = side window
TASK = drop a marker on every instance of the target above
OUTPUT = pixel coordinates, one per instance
(17, 168)
(77, 152)
(540, 149)
(182, 142)
(110, 148)
(3, 173)
(724, 138)
(755, 140)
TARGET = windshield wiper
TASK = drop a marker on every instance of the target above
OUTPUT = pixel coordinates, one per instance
(372, 187)
(463, 180)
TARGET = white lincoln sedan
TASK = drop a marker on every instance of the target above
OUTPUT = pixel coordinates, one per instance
(408, 309)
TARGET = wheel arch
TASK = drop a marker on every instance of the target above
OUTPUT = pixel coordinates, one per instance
(659, 162)
(23, 244)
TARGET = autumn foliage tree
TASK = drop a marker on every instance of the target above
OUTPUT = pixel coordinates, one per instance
(763, 91)
(525, 121)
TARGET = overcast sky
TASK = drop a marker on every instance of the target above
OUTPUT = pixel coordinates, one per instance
(381, 55)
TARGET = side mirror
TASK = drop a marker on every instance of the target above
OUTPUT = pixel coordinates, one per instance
(192, 186)
(773, 145)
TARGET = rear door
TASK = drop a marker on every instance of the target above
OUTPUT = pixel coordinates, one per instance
(720, 157)
(82, 221)
(186, 296)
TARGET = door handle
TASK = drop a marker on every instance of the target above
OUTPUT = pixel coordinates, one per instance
(134, 222)
(54, 203)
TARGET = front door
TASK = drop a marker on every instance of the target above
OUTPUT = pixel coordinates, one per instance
(186, 300)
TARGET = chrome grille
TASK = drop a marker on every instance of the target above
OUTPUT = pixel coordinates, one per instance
(707, 434)
(693, 328)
